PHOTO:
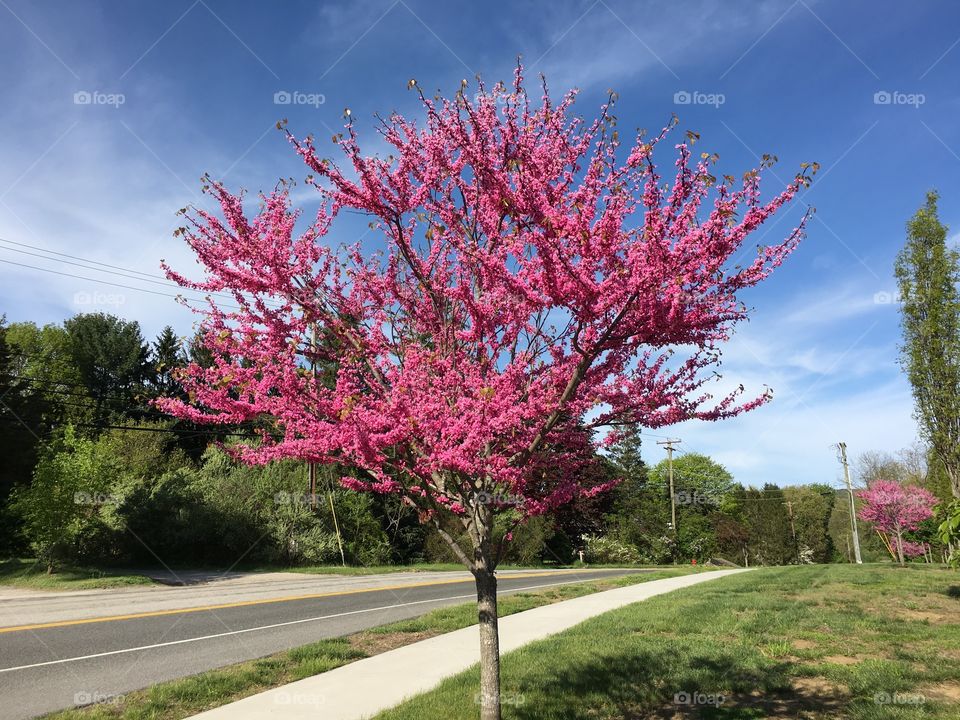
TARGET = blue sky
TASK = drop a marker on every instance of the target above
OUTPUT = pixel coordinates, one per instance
(113, 110)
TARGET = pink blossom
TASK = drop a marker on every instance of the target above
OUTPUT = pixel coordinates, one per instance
(896, 508)
(538, 281)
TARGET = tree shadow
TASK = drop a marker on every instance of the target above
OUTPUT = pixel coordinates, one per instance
(665, 684)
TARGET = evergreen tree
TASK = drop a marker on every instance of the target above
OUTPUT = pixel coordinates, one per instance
(928, 272)
(167, 356)
(113, 361)
(625, 455)
(765, 517)
(812, 506)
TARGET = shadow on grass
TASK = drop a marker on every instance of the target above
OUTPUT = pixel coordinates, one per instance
(679, 685)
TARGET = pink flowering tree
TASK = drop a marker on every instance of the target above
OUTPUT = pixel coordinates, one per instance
(537, 280)
(913, 549)
(895, 509)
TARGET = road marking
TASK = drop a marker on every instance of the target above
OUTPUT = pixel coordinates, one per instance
(247, 603)
(275, 625)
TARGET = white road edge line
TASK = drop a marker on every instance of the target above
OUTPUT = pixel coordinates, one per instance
(276, 625)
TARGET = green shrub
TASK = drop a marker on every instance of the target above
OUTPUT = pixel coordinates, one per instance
(610, 551)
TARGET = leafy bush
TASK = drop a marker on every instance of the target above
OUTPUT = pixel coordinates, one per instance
(610, 551)
(62, 509)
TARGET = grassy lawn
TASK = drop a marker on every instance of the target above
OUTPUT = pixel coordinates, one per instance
(27, 573)
(874, 642)
(191, 695)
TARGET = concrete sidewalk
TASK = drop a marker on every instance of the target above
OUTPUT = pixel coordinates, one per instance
(363, 688)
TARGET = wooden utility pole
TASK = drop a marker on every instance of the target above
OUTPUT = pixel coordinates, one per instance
(312, 485)
(842, 446)
(793, 530)
(312, 466)
(668, 444)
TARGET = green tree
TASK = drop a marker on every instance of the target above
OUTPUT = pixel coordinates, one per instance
(20, 415)
(625, 455)
(42, 358)
(841, 533)
(167, 355)
(927, 272)
(61, 509)
(696, 478)
(113, 362)
(764, 514)
(812, 506)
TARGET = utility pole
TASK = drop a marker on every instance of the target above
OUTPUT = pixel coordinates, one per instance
(793, 530)
(668, 444)
(842, 446)
(312, 466)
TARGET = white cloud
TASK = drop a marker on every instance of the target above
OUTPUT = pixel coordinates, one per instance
(584, 44)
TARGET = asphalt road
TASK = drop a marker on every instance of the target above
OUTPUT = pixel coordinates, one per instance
(46, 666)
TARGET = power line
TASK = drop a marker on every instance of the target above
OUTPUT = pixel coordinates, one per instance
(108, 282)
(134, 428)
(124, 272)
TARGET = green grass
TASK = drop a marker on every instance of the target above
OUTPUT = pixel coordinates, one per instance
(26, 573)
(461, 616)
(801, 642)
(188, 696)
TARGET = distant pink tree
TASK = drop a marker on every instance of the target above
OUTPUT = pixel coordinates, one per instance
(537, 281)
(912, 549)
(894, 509)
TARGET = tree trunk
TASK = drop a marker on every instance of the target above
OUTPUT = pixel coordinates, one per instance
(954, 474)
(489, 644)
(900, 547)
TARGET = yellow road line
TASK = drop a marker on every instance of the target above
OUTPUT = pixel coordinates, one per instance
(245, 603)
